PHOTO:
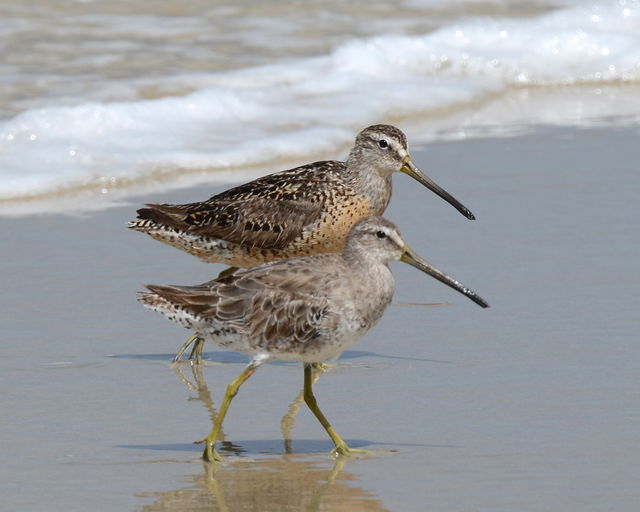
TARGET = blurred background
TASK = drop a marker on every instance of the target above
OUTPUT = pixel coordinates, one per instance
(101, 99)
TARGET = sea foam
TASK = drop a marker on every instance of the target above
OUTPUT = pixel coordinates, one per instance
(299, 109)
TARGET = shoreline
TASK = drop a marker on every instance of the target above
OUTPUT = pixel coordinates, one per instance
(83, 198)
(527, 402)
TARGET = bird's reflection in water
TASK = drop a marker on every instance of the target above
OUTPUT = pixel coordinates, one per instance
(269, 484)
(296, 482)
(200, 387)
(204, 395)
(286, 423)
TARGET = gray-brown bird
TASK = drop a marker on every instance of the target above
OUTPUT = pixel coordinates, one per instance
(307, 309)
(301, 211)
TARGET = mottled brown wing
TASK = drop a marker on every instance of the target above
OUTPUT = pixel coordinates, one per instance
(267, 213)
(253, 302)
(195, 299)
(257, 222)
(297, 317)
(290, 299)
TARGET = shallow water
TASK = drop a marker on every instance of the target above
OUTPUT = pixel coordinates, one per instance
(530, 405)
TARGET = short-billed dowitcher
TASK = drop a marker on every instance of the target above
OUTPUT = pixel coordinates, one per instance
(307, 309)
(306, 210)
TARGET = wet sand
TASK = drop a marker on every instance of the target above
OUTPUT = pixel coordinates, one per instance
(530, 405)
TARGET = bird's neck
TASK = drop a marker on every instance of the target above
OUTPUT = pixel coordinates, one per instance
(365, 270)
(362, 258)
(370, 183)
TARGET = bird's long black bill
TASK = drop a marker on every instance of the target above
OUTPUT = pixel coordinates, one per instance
(410, 169)
(416, 261)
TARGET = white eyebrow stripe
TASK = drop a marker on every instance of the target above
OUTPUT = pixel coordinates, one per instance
(397, 147)
(393, 235)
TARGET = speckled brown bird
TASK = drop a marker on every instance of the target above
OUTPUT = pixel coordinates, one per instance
(301, 211)
(307, 309)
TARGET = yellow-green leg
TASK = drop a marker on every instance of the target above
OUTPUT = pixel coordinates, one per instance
(341, 447)
(210, 454)
(227, 272)
(198, 343)
(198, 347)
(286, 423)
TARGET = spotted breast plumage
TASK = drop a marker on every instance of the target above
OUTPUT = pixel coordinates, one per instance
(305, 210)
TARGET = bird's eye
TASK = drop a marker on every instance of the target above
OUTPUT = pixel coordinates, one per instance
(383, 144)
(381, 234)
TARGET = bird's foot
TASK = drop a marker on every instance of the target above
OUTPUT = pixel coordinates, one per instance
(345, 451)
(209, 453)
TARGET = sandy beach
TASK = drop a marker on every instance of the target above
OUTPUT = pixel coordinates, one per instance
(531, 405)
